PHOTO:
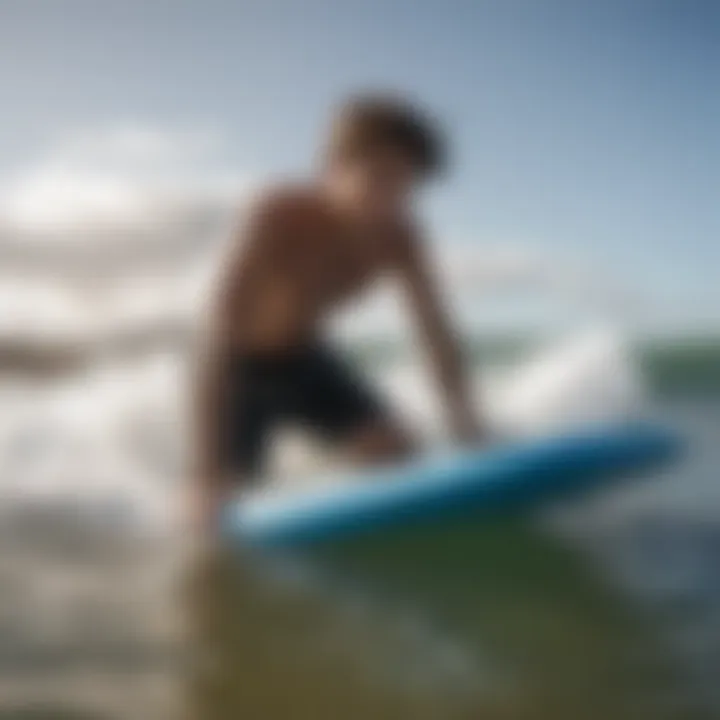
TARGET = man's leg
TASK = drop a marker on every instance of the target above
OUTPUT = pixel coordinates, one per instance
(333, 399)
(378, 442)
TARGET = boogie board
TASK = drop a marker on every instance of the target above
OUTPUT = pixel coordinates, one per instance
(479, 482)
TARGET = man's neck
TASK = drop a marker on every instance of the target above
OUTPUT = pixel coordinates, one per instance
(356, 216)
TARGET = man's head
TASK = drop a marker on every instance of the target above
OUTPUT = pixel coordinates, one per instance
(380, 150)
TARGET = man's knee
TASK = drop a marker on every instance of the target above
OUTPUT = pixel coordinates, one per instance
(380, 443)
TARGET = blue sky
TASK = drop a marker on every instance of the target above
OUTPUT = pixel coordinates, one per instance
(589, 129)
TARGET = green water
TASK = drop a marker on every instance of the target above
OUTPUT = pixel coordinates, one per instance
(671, 367)
(502, 620)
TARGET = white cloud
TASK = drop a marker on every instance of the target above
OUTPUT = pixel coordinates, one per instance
(142, 207)
(484, 267)
(500, 288)
(39, 310)
(122, 191)
(113, 227)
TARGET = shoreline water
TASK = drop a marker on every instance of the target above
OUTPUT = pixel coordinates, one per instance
(604, 607)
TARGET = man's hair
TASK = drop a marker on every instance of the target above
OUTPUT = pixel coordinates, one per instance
(365, 123)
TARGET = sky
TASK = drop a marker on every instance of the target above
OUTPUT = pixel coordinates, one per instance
(586, 133)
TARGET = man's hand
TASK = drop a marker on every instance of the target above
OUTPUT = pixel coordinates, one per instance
(205, 502)
(442, 342)
(465, 426)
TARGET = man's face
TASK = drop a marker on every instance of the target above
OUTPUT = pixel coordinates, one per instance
(379, 185)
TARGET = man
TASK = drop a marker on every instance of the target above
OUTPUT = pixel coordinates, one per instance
(304, 252)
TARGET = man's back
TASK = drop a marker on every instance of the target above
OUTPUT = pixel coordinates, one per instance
(298, 260)
(303, 252)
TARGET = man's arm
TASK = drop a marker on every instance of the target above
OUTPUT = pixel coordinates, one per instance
(443, 343)
(208, 390)
(252, 251)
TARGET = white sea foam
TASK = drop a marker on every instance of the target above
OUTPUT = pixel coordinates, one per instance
(109, 444)
(146, 211)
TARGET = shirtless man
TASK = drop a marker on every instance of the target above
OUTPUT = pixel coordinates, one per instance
(304, 251)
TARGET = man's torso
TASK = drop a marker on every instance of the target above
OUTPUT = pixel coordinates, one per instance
(317, 261)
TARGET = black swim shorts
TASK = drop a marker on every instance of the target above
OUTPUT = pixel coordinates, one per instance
(311, 387)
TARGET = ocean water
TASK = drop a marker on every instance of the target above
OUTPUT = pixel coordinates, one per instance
(605, 607)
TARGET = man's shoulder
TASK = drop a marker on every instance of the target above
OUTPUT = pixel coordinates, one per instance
(408, 236)
(286, 203)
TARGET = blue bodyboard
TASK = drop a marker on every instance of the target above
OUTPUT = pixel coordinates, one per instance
(506, 478)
